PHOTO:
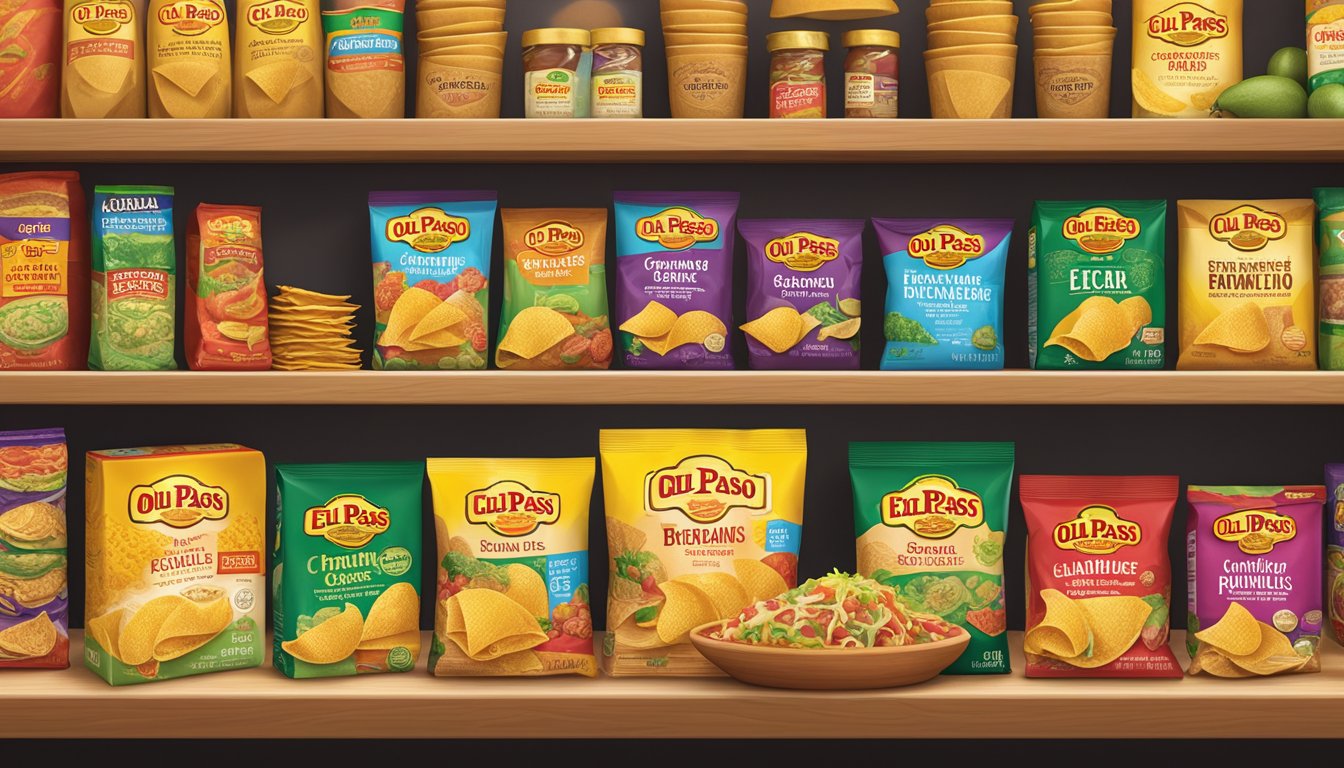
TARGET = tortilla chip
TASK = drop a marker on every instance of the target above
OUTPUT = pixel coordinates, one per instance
(191, 626)
(1064, 631)
(535, 330)
(1237, 633)
(190, 77)
(1115, 623)
(759, 580)
(440, 319)
(1242, 328)
(722, 590)
(1096, 330)
(279, 78)
(408, 640)
(528, 590)
(779, 329)
(30, 639)
(412, 307)
(685, 609)
(332, 641)
(494, 625)
(377, 93)
(108, 75)
(654, 320)
(140, 631)
(395, 612)
(976, 95)
(105, 630)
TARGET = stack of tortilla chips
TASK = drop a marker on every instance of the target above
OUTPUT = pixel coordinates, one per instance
(312, 331)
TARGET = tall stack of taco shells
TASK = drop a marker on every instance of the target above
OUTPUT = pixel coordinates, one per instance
(971, 58)
(1074, 41)
(461, 68)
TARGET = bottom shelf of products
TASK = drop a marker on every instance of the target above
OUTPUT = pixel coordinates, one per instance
(260, 703)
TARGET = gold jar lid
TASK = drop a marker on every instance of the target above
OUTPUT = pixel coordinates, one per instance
(788, 41)
(618, 36)
(884, 38)
(556, 36)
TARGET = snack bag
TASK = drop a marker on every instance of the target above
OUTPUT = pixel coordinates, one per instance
(555, 290)
(803, 281)
(700, 524)
(1254, 554)
(226, 323)
(674, 270)
(513, 596)
(1098, 576)
(134, 279)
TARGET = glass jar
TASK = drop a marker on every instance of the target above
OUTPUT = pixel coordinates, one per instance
(872, 73)
(618, 72)
(552, 60)
(798, 74)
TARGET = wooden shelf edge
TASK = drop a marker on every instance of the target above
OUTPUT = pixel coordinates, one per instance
(260, 703)
(988, 388)
(670, 141)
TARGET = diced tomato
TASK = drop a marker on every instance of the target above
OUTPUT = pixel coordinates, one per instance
(772, 605)
(826, 592)
(850, 605)
(460, 581)
(733, 624)
(824, 618)
(932, 627)
(840, 633)
(807, 631)
(785, 618)
(750, 612)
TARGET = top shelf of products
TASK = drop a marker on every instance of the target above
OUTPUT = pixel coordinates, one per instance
(671, 141)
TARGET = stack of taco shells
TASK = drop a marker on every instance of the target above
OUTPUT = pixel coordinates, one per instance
(971, 58)
(461, 58)
(1074, 42)
(706, 57)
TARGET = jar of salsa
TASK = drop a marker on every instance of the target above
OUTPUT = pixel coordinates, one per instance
(798, 74)
(552, 59)
(872, 73)
(618, 72)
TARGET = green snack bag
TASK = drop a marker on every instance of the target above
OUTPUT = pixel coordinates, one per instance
(348, 602)
(1097, 285)
(134, 279)
(1330, 235)
(930, 521)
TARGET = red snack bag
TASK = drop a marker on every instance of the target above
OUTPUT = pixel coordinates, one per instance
(30, 58)
(226, 318)
(44, 272)
(1098, 576)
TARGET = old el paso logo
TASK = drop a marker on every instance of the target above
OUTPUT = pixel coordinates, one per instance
(102, 18)
(510, 508)
(554, 238)
(933, 506)
(348, 520)
(178, 501)
(1248, 228)
(946, 247)
(278, 17)
(428, 230)
(802, 251)
(705, 489)
(1101, 230)
(1097, 530)
(677, 229)
(190, 17)
(1255, 531)
(1186, 25)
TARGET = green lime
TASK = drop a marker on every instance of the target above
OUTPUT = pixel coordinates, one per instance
(1289, 62)
(1327, 101)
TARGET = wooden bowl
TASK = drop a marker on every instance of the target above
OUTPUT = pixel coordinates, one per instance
(835, 669)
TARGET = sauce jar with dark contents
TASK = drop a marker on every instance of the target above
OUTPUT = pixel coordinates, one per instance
(872, 73)
(551, 63)
(798, 74)
(618, 72)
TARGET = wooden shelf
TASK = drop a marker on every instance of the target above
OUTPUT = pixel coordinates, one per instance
(260, 703)
(671, 141)
(673, 388)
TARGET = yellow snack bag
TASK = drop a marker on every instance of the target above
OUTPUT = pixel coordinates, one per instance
(700, 524)
(103, 69)
(512, 596)
(1185, 55)
(278, 59)
(1248, 290)
(188, 59)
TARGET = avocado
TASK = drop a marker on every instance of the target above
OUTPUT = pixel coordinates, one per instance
(1327, 101)
(1266, 96)
(1291, 63)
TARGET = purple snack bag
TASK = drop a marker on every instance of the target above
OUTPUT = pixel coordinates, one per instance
(34, 595)
(1254, 559)
(1334, 548)
(674, 271)
(803, 278)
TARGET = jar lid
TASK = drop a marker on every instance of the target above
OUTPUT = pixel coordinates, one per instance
(884, 38)
(618, 36)
(556, 36)
(787, 41)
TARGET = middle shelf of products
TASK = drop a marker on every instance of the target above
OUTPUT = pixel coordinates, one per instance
(671, 141)
(674, 388)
